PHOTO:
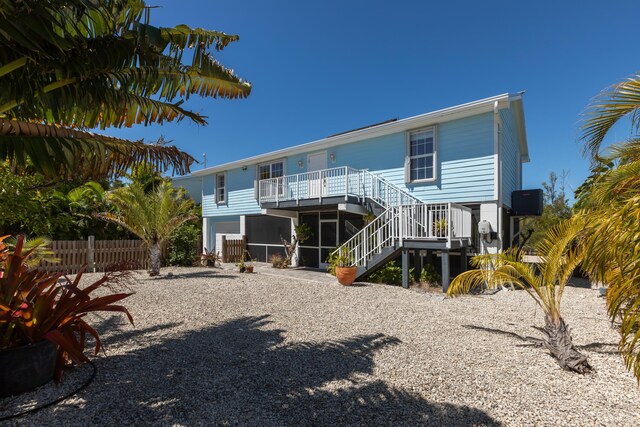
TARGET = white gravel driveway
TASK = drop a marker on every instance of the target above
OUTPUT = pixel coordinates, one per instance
(212, 347)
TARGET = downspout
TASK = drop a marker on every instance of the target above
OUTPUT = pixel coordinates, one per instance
(498, 148)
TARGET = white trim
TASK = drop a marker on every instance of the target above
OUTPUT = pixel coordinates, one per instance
(407, 156)
(496, 183)
(282, 160)
(205, 234)
(423, 120)
(226, 187)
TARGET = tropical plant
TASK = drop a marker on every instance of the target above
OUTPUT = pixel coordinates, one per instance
(610, 205)
(430, 276)
(277, 260)
(545, 283)
(302, 233)
(209, 259)
(37, 248)
(182, 244)
(440, 227)
(152, 217)
(555, 210)
(36, 305)
(339, 258)
(73, 65)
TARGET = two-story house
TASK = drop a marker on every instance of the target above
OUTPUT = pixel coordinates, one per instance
(412, 187)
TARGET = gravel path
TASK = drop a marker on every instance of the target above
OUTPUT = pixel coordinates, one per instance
(212, 347)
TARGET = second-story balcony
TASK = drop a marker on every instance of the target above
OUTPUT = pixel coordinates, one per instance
(331, 186)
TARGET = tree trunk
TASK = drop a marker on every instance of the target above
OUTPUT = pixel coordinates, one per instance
(154, 259)
(560, 345)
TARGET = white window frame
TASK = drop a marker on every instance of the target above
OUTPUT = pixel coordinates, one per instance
(407, 155)
(217, 187)
(270, 164)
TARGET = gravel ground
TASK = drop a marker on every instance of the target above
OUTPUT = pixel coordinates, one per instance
(213, 347)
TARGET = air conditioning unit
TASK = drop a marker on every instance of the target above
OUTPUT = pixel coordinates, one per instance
(527, 202)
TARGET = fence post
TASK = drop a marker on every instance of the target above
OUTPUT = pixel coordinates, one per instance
(91, 257)
(224, 249)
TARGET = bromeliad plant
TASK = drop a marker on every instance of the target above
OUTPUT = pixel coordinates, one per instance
(36, 305)
(560, 255)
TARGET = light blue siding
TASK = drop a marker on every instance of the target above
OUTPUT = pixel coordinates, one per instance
(510, 156)
(465, 167)
(193, 185)
(465, 160)
(241, 198)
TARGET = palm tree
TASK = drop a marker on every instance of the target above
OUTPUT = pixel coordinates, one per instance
(150, 216)
(69, 66)
(610, 206)
(544, 283)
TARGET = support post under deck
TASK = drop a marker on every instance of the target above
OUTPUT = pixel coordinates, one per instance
(405, 268)
(417, 265)
(463, 259)
(445, 270)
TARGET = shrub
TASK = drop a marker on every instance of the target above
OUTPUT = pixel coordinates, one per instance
(36, 305)
(390, 274)
(277, 261)
(430, 276)
(182, 245)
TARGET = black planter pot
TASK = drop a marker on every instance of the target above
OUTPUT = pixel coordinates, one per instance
(24, 368)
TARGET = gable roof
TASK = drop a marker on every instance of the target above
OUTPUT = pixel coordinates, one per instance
(505, 100)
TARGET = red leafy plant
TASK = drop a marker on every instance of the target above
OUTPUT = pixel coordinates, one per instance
(36, 305)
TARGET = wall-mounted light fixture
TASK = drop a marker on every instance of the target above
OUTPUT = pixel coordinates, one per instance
(300, 163)
(244, 168)
(332, 156)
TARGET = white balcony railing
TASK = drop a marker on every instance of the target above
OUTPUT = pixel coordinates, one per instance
(336, 182)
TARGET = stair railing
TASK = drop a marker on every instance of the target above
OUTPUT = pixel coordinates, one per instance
(425, 221)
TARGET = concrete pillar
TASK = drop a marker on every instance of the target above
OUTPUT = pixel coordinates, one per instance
(445, 270)
(405, 269)
(206, 244)
(417, 265)
(489, 212)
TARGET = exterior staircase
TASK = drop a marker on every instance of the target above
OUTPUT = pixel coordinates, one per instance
(403, 221)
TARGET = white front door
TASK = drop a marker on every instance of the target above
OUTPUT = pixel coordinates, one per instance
(316, 162)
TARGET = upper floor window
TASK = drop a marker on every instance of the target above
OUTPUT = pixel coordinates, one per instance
(221, 188)
(271, 170)
(421, 153)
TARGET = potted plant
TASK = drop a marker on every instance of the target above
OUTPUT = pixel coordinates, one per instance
(342, 263)
(209, 258)
(248, 267)
(42, 320)
(440, 227)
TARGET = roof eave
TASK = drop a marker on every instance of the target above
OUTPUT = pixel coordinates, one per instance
(438, 116)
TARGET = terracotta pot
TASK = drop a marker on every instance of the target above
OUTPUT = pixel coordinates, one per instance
(346, 275)
(27, 367)
(248, 269)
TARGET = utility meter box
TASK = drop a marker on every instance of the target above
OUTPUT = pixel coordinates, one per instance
(484, 227)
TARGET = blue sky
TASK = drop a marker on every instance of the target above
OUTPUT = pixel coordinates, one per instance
(325, 67)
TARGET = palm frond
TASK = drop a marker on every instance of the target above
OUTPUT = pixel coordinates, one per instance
(606, 109)
(63, 152)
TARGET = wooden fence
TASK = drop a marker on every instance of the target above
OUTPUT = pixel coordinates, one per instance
(102, 255)
(232, 250)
